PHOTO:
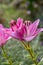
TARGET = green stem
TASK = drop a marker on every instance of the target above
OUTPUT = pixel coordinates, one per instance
(32, 55)
(28, 48)
(5, 55)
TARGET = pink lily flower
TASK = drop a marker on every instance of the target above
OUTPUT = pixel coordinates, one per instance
(3, 37)
(24, 31)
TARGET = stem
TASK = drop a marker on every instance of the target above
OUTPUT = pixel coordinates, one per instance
(28, 48)
(5, 55)
(24, 44)
(32, 55)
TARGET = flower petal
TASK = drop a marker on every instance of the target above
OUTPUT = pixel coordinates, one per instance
(32, 37)
(38, 31)
(28, 38)
(13, 25)
(3, 37)
(33, 27)
(19, 22)
(12, 22)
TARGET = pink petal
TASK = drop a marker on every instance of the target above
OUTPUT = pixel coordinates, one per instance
(3, 36)
(38, 31)
(12, 22)
(13, 25)
(7, 37)
(16, 34)
(19, 22)
(29, 38)
(33, 27)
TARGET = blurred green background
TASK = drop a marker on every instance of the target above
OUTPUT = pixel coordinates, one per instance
(28, 10)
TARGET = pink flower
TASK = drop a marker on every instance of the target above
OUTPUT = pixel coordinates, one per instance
(24, 31)
(3, 37)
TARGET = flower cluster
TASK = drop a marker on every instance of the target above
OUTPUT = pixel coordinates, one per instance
(21, 30)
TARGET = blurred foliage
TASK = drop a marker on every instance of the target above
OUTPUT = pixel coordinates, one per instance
(27, 9)
(12, 9)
